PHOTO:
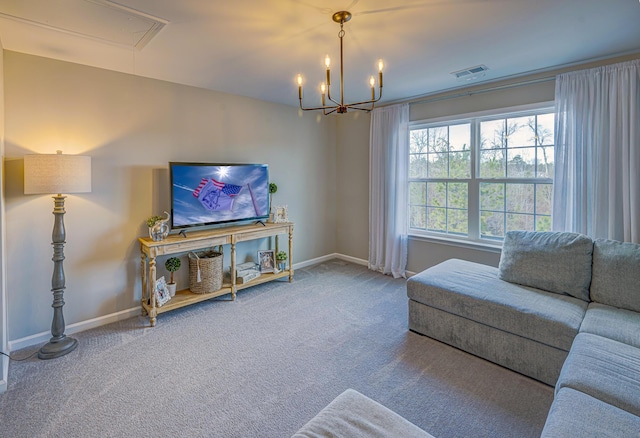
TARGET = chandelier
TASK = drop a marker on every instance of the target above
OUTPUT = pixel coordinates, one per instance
(325, 88)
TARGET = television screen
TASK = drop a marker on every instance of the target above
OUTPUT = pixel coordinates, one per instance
(207, 194)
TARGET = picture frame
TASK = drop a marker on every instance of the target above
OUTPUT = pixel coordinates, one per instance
(267, 260)
(280, 214)
(162, 292)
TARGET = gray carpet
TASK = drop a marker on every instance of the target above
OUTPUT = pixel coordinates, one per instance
(264, 365)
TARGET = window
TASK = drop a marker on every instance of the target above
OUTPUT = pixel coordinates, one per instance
(477, 178)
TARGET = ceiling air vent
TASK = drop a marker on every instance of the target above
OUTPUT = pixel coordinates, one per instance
(471, 73)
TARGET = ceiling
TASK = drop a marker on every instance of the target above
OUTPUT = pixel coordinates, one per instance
(256, 48)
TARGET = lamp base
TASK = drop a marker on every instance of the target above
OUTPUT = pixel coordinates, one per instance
(57, 347)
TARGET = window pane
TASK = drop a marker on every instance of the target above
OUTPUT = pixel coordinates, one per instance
(543, 198)
(418, 141)
(520, 198)
(437, 194)
(438, 139)
(438, 165)
(543, 223)
(519, 222)
(545, 129)
(492, 196)
(458, 195)
(437, 219)
(458, 222)
(492, 163)
(460, 137)
(460, 164)
(418, 217)
(491, 224)
(492, 134)
(417, 193)
(521, 163)
(417, 166)
(521, 131)
(545, 162)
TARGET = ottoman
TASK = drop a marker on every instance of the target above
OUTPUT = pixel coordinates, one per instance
(352, 414)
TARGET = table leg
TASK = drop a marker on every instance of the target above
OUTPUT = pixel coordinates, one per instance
(152, 291)
(291, 254)
(233, 271)
(145, 291)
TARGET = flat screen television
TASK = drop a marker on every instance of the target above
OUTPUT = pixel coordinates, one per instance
(210, 193)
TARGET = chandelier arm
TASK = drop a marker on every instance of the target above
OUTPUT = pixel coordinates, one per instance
(329, 97)
(326, 107)
(364, 102)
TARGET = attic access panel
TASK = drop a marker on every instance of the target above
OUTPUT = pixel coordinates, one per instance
(102, 20)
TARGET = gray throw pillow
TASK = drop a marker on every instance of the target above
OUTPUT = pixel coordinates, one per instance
(557, 262)
(616, 274)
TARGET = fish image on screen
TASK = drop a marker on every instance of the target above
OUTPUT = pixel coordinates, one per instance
(207, 194)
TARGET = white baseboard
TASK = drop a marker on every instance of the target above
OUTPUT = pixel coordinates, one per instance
(74, 328)
(135, 311)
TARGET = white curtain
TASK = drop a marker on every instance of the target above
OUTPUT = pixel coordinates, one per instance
(388, 173)
(597, 168)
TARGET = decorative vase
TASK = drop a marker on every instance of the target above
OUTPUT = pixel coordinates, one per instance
(160, 230)
(172, 289)
(282, 265)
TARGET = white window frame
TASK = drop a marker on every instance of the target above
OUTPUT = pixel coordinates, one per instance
(473, 205)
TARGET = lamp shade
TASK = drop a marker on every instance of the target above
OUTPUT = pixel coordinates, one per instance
(56, 174)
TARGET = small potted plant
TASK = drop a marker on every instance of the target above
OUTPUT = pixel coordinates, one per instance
(281, 258)
(272, 189)
(172, 264)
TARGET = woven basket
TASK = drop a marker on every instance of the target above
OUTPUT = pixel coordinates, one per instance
(205, 271)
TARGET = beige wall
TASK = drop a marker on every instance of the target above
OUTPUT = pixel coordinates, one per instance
(352, 230)
(132, 127)
(4, 361)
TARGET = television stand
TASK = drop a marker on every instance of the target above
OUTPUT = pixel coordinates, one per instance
(197, 241)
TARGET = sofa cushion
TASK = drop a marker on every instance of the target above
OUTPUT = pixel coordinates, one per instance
(610, 322)
(605, 369)
(553, 261)
(475, 292)
(616, 274)
(575, 414)
(352, 414)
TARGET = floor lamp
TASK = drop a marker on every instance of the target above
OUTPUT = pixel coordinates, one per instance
(56, 174)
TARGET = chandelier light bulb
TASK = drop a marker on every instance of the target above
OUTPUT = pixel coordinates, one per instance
(372, 81)
(327, 61)
(299, 80)
(323, 88)
(380, 65)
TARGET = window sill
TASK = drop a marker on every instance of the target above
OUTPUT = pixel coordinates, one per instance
(470, 244)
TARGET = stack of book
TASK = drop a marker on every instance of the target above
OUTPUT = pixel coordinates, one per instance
(245, 272)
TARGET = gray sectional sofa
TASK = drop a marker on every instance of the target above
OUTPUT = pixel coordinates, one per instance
(560, 308)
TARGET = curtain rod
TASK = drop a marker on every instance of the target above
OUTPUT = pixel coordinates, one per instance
(484, 90)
